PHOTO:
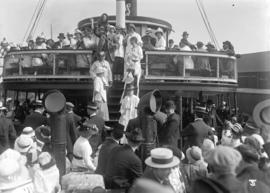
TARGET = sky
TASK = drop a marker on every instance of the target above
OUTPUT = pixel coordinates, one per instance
(246, 23)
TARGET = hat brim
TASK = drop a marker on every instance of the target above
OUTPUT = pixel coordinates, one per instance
(175, 162)
(158, 32)
(257, 113)
(189, 157)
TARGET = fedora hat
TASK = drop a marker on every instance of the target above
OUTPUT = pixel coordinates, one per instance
(194, 154)
(61, 35)
(87, 126)
(135, 135)
(23, 144)
(159, 30)
(261, 114)
(38, 103)
(162, 158)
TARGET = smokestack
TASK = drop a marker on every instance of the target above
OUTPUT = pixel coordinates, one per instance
(120, 13)
(133, 7)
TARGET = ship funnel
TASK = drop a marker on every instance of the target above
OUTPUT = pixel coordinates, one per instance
(120, 13)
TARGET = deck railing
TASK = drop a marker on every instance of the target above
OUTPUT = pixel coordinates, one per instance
(196, 66)
(159, 65)
(48, 64)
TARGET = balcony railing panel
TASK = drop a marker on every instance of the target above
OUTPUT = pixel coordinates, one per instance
(190, 65)
(48, 62)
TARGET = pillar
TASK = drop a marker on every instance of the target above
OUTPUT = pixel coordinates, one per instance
(120, 13)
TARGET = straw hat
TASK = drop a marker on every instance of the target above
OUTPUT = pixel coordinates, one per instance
(261, 114)
(148, 31)
(194, 154)
(43, 133)
(23, 144)
(29, 131)
(77, 31)
(45, 160)
(162, 158)
(12, 174)
(159, 30)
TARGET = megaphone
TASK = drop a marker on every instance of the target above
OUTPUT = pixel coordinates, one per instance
(151, 101)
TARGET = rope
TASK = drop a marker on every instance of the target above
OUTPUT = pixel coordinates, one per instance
(36, 19)
(205, 22)
(39, 17)
(31, 20)
(209, 25)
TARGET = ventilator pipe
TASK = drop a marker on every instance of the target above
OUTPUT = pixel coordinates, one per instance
(149, 104)
(120, 13)
(54, 102)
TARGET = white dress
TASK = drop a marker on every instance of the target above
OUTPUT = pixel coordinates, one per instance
(104, 64)
(45, 181)
(188, 62)
(82, 149)
(100, 97)
(128, 109)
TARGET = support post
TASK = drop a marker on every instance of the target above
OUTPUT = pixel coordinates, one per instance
(120, 13)
(180, 99)
(235, 103)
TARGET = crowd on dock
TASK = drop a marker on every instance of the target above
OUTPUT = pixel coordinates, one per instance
(220, 153)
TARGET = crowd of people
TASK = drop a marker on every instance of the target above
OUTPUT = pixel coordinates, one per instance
(220, 153)
(123, 47)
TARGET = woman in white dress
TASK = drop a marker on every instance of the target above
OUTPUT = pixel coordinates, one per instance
(82, 149)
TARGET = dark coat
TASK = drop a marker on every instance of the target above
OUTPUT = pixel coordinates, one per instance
(132, 124)
(231, 183)
(71, 133)
(7, 134)
(195, 133)
(252, 172)
(96, 140)
(170, 134)
(124, 165)
(35, 120)
(104, 154)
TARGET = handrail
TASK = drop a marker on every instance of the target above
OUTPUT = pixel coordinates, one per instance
(192, 53)
(221, 67)
(45, 51)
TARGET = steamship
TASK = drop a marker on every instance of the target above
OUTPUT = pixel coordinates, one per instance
(160, 70)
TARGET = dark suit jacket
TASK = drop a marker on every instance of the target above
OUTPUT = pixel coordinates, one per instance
(35, 120)
(7, 134)
(96, 140)
(124, 164)
(71, 133)
(104, 154)
(170, 134)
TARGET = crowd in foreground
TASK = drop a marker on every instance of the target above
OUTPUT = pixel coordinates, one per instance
(127, 156)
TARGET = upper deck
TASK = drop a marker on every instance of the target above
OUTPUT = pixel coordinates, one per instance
(69, 69)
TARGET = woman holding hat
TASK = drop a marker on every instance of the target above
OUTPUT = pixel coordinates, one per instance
(82, 149)
(129, 105)
(161, 43)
